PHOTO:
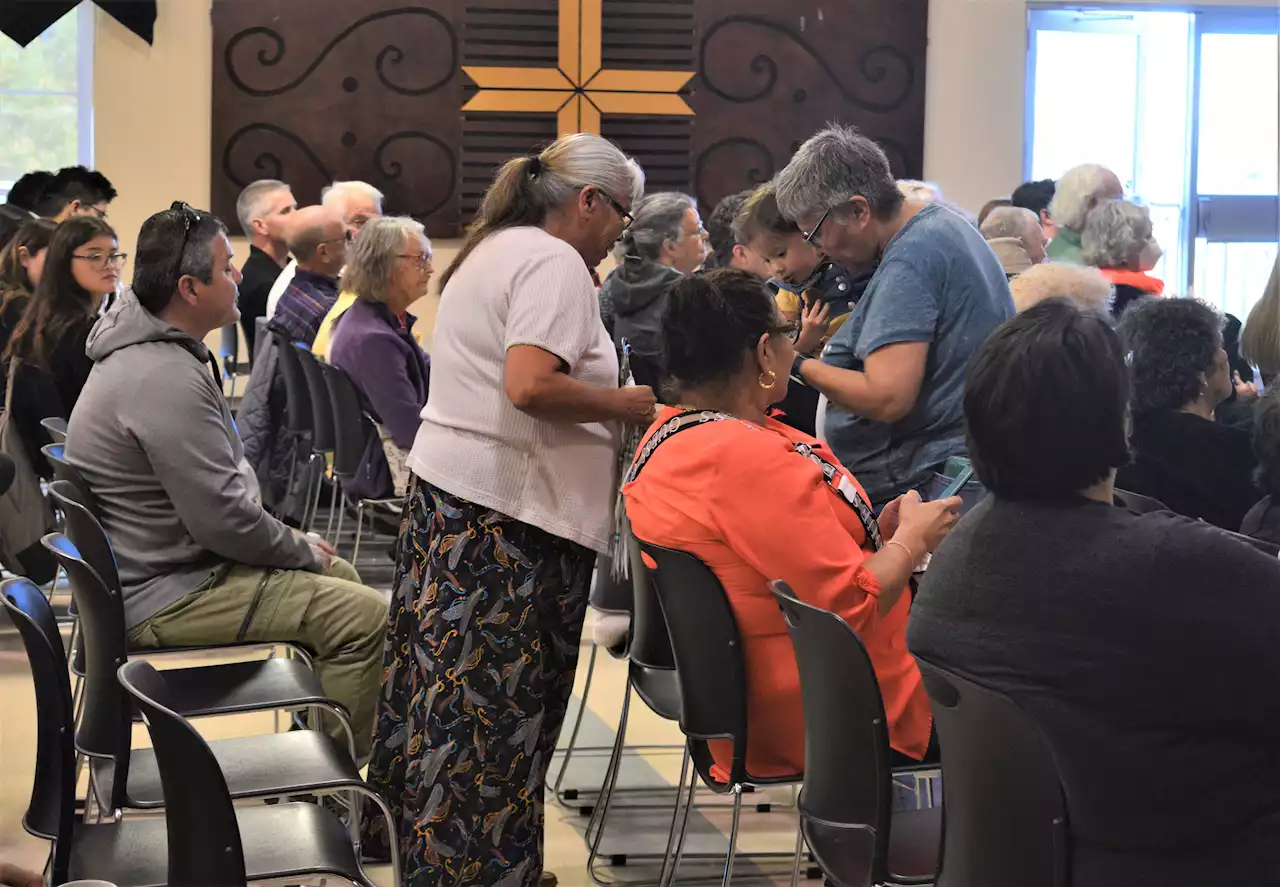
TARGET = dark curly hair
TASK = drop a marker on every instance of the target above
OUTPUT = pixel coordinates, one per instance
(1266, 442)
(1045, 401)
(720, 230)
(713, 322)
(1170, 343)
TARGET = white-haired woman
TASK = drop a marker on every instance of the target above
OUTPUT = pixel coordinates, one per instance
(389, 268)
(512, 496)
(1080, 189)
(665, 242)
(1119, 242)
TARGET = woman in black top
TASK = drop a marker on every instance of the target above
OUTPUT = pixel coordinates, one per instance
(1143, 646)
(1181, 373)
(21, 265)
(47, 345)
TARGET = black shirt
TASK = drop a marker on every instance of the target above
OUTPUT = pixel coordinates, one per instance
(1196, 467)
(257, 275)
(1147, 649)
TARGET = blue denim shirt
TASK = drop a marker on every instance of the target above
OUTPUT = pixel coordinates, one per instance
(938, 282)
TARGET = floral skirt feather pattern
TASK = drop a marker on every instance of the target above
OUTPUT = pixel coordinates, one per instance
(485, 620)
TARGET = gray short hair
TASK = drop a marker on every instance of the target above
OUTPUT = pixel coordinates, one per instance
(922, 192)
(1009, 221)
(252, 202)
(1076, 193)
(1114, 232)
(374, 254)
(338, 192)
(835, 164)
(658, 218)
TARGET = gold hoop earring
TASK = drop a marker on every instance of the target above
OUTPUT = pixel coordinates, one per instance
(773, 379)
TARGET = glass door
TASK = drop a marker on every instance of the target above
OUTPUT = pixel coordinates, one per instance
(1127, 108)
(1234, 181)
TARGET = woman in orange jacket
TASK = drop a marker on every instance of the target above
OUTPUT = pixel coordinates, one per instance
(756, 500)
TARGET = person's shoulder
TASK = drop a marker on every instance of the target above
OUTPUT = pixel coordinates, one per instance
(1185, 546)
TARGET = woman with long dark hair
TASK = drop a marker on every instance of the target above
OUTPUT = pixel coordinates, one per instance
(21, 266)
(81, 267)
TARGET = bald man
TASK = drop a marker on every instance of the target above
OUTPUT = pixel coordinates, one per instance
(318, 240)
(358, 202)
(1016, 238)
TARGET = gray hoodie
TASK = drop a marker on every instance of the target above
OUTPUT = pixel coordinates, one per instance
(153, 436)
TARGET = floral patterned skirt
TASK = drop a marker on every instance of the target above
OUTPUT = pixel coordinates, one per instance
(485, 620)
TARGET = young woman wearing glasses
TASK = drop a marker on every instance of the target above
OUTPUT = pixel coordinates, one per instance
(81, 267)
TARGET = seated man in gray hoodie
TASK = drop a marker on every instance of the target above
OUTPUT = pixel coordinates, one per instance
(200, 561)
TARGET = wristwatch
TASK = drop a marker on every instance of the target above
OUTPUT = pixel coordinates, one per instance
(795, 365)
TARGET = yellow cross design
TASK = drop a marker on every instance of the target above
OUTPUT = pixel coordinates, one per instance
(580, 89)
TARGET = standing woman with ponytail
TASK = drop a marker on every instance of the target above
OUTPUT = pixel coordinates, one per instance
(511, 498)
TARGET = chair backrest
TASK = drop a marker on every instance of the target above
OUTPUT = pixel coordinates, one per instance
(105, 719)
(229, 342)
(51, 812)
(57, 428)
(64, 470)
(297, 399)
(1138, 504)
(708, 655)
(204, 838)
(1006, 817)
(323, 432)
(85, 531)
(846, 736)
(351, 426)
(650, 641)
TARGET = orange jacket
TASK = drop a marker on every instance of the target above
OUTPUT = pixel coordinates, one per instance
(739, 498)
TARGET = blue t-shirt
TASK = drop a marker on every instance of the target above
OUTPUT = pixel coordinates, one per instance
(938, 282)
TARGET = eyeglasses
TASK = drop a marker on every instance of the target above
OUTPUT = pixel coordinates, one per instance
(812, 237)
(788, 328)
(101, 261)
(189, 218)
(100, 213)
(423, 259)
(626, 217)
(346, 235)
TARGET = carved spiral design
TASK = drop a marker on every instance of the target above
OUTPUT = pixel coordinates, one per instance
(393, 169)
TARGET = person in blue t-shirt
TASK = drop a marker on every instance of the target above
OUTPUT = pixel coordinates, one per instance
(894, 372)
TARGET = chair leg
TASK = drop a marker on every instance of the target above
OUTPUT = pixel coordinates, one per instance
(333, 504)
(668, 858)
(314, 503)
(684, 824)
(795, 868)
(577, 724)
(355, 552)
(733, 836)
(610, 781)
(342, 513)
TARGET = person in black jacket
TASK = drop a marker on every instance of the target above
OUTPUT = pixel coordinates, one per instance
(81, 267)
(1181, 373)
(664, 241)
(1263, 519)
(1140, 645)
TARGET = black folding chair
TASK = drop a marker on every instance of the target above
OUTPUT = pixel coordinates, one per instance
(229, 355)
(56, 426)
(65, 471)
(352, 430)
(1006, 816)
(299, 418)
(651, 674)
(324, 431)
(846, 805)
(713, 683)
(139, 852)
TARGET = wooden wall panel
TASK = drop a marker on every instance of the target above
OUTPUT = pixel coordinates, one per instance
(374, 90)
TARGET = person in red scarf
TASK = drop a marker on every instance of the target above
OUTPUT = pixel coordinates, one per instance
(1118, 241)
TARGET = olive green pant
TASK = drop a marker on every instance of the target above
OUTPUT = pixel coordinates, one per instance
(339, 621)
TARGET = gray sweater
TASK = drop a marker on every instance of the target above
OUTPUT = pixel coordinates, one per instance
(153, 436)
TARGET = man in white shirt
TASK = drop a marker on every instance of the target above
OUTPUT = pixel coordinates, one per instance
(357, 201)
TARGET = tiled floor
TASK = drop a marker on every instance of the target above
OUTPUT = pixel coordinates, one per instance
(637, 830)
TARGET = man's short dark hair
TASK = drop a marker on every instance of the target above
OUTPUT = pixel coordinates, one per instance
(162, 259)
(1045, 401)
(1034, 196)
(1266, 442)
(75, 183)
(720, 229)
(1170, 342)
(30, 189)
